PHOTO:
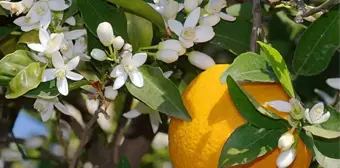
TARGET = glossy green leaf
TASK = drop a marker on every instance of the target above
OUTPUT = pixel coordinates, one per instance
(279, 66)
(12, 64)
(95, 12)
(248, 110)
(159, 93)
(242, 11)
(328, 147)
(233, 36)
(318, 131)
(29, 37)
(139, 31)
(124, 163)
(5, 31)
(141, 8)
(247, 143)
(318, 44)
(250, 67)
(27, 79)
(325, 161)
(333, 123)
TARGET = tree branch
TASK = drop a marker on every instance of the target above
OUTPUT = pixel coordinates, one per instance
(301, 9)
(85, 137)
(325, 6)
(256, 30)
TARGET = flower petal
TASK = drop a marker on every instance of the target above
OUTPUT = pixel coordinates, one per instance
(226, 17)
(167, 74)
(307, 116)
(280, 105)
(132, 114)
(62, 86)
(119, 82)
(204, 33)
(334, 83)
(57, 5)
(36, 47)
(175, 26)
(180, 7)
(186, 43)
(190, 5)
(139, 59)
(73, 63)
(137, 78)
(154, 120)
(48, 74)
(323, 118)
(211, 20)
(117, 71)
(73, 76)
(328, 99)
(109, 93)
(46, 115)
(316, 112)
(74, 34)
(43, 37)
(193, 18)
(56, 41)
(71, 21)
(62, 108)
(57, 60)
(30, 27)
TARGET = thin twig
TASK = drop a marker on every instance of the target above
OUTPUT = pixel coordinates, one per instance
(301, 9)
(323, 7)
(256, 30)
(85, 137)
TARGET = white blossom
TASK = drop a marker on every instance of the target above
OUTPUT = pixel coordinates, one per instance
(48, 43)
(17, 7)
(200, 60)
(286, 158)
(118, 43)
(105, 33)
(110, 93)
(334, 83)
(98, 54)
(61, 71)
(213, 13)
(167, 8)
(129, 67)
(127, 47)
(10, 155)
(317, 115)
(286, 141)
(79, 48)
(46, 106)
(189, 33)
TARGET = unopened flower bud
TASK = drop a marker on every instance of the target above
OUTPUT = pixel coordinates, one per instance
(88, 165)
(34, 142)
(98, 54)
(118, 43)
(10, 155)
(285, 158)
(172, 45)
(286, 141)
(200, 60)
(110, 93)
(105, 33)
(167, 56)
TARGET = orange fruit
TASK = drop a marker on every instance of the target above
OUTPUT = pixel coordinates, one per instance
(198, 144)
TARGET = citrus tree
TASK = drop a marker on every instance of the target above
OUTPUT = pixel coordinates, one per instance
(233, 83)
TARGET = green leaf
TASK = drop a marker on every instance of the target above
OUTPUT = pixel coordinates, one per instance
(159, 93)
(95, 12)
(279, 66)
(139, 31)
(29, 37)
(318, 131)
(248, 110)
(325, 161)
(27, 79)
(124, 162)
(333, 123)
(142, 9)
(250, 67)
(247, 143)
(12, 64)
(328, 147)
(233, 36)
(307, 139)
(242, 11)
(318, 44)
(5, 31)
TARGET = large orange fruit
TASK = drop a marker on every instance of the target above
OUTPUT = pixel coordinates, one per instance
(198, 144)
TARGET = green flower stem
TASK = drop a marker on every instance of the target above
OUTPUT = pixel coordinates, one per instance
(148, 48)
(111, 50)
(151, 54)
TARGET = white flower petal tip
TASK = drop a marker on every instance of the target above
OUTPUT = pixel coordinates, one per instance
(109, 93)
(98, 54)
(137, 79)
(105, 33)
(211, 20)
(132, 114)
(118, 43)
(200, 60)
(167, 56)
(190, 5)
(286, 158)
(334, 83)
(119, 82)
(193, 18)
(71, 21)
(227, 17)
(34, 142)
(317, 115)
(286, 141)
(167, 74)
(280, 105)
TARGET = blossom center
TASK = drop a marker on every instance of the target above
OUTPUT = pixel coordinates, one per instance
(27, 19)
(41, 107)
(188, 33)
(41, 11)
(60, 73)
(129, 68)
